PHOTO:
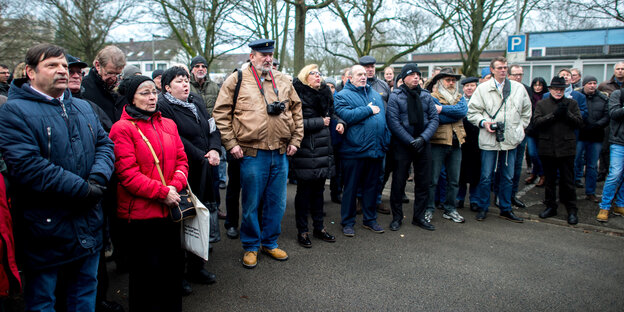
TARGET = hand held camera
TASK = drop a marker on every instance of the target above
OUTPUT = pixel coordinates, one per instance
(499, 128)
(275, 108)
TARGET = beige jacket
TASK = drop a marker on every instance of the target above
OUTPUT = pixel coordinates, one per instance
(444, 134)
(250, 126)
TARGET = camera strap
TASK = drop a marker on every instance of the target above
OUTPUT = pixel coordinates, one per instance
(257, 78)
(506, 92)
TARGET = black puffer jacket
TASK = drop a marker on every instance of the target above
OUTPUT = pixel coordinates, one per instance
(314, 159)
(597, 117)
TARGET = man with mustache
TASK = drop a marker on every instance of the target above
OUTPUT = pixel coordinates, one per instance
(264, 126)
(59, 160)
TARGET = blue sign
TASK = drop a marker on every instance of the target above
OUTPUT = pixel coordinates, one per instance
(516, 43)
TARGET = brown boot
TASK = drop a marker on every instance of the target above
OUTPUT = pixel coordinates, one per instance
(530, 179)
(382, 209)
(541, 181)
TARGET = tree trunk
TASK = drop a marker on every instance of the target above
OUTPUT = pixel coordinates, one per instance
(300, 20)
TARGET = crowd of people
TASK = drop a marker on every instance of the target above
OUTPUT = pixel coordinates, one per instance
(98, 160)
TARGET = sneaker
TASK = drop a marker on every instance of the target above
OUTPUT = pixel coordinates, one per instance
(250, 259)
(428, 215)
(374, 227)
(618, 211)
(348, 231)
(276, 253)
(454, 216)
(603, 215)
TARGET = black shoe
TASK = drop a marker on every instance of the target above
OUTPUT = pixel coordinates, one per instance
(548, 212)
(424, 224)
(405, 199)
(509, 215)
(201, 277)
(572, 218)
(323, 235)
(579, 184)
(460, 204)
(395, 225)
(232, 233)
(186, 288)
(517, 202)
(474, 207)
(108, 306)
(304, 240)
(481, 215)
(336, 199)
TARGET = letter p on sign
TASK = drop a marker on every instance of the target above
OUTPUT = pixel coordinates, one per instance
(516, 43)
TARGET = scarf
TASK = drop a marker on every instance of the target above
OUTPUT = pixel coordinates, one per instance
(138, 113)
(187, 105)
(568, 91)
(450, 97)
(414, 109)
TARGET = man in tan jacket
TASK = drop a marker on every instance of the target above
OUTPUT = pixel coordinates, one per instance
(260, 127)
(446, 141)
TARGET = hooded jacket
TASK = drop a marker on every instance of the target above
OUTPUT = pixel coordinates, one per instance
(597, 117)
(140, 187)
(315, 158)
(609, 86)
(366, 134)
(51, 150)
(515, 113)
(616, 114)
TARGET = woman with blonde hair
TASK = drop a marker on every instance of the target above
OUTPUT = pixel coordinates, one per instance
(314, 161)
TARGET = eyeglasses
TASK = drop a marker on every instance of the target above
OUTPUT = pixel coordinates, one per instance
(73, 71)
(147, 93)
(314, 72)
(4, 73)
(501, 67)
(517, 75)
(200, 66)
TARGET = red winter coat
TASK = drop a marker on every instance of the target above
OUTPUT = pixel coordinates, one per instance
(8, 268)
(140, 187)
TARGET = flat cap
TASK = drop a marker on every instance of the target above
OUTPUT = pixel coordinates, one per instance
(469, 80)
(262, 45)
(72, 60)
(367, 60)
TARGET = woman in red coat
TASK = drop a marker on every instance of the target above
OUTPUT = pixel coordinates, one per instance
(153, 239)
(9, 275)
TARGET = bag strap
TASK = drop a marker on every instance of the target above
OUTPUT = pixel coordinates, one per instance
(149, 145)
(237, 88)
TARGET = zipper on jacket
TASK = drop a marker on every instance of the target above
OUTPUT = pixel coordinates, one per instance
(49, 142)
(92, 132)
(162, 151)
(130, 209)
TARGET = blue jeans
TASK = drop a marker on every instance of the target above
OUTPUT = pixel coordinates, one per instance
(450, 157)
(614, 179)
(263, 180)
(360, 173)
(499, 160)
(80, 279)
(535, 160)
(592, 152)
(515, 181)
(223, 165)
(463, 189)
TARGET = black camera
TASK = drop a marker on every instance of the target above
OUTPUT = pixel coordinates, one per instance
(499, 128)
(275, 108)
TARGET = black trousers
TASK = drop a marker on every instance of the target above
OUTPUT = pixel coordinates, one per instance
(232, 193)
(335, 183)
(155, 265)
(422, 179)
(567, 191)
(309, 198)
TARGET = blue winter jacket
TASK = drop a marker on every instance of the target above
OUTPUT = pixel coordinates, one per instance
(366, 134)
(51, 154)
(398, 121)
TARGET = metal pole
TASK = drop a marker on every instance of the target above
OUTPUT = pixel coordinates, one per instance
(153, 61)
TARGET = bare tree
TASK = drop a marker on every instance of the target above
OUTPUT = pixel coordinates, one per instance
(200, 26)
(301, 10)
(371, 28)
(83, 25)
(600, 9)
(265, 19)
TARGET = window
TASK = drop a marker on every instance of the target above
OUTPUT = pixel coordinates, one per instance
(149, 67)
(140, 54)
(161, 66)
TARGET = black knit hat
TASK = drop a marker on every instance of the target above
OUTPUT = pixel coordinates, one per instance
(128, 86)
(157, 73)
(198, 60)
(589, 78)
(409, 69)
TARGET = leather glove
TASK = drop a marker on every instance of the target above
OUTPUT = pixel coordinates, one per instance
(561, 111)
(96, 191)
(418, 144)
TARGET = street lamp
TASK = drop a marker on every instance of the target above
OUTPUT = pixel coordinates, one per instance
(153, 59)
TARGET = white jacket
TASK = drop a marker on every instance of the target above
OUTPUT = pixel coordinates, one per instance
(516, 113)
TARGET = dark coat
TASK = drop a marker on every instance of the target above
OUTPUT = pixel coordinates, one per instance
(315, 158)
(398, 123)
(556, 137)
(616, 113)
(381, 87)
(107, 124)
(366, 134)
(50, 157)
(195, 135)
(94, 90)
(470, 171)
(4, 88)
(597, 117)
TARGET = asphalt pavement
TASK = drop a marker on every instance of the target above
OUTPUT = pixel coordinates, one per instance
(491, 265)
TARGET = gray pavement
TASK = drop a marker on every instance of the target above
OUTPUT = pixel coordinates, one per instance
(492, 265)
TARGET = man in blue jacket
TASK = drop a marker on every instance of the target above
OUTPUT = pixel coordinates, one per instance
(363, 147)
(59, 159)
(412, 118)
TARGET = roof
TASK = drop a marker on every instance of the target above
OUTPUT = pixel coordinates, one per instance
(164, 49)
(452, 56)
